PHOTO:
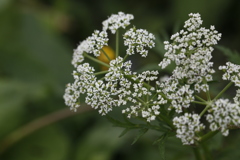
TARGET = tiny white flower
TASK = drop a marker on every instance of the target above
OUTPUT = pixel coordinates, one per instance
(187, 127)
(137, 40)
(116, 21)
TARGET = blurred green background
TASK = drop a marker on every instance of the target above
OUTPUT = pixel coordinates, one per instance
(37, 38)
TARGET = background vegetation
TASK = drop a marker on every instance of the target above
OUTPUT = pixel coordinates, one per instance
(37, 38)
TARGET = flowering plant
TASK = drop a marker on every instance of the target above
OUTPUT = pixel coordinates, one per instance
(181, 103)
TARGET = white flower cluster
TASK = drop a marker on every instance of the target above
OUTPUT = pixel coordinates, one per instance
(187, 127)
(180, 96)
(97, 41)
(138, 39)
(141, 97)
(232, 73)
(71, 96)
(102, 95)
(120, 85)
(191, 51)
(236, 99)
(92, 44)
(116, 21)
(222, 114)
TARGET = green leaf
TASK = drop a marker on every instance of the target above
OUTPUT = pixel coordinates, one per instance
(161, 148)
(161, 145)
(161, 138)
(140, 134)
(124, 132)
(99, 143)
(29, 52)
(159, 45)
(115, 122)
(232, 56)
(13, 97)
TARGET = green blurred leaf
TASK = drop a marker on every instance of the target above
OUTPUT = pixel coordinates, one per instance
(124, 132)
(46, 144)
(229, 148)
(29, 52)
(175, 150)
(115, 122)
(141, 132)
(215, 142)
(99, 143)
(232, 56)
(161, 146)
(159, 48)
(13, 96)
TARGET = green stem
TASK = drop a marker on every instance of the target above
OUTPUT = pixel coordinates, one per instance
(125, 57)
(197, 153)
(206, 108)
(224, 90)
(153, 127)
(165, 119)
(147, 98)
(117, 43)
(208, 136)
(129, 77)
(101, 72)
(219, 94)
(199, 98)
(197, 102)
(142, 101)
(207, 153)
(207, 93)
(208, 96)
(95, 60)
(109, 59)
(154, 95)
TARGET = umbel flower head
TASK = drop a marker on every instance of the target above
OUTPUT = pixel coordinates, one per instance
(145, 94)
(116, 21)
(120, 85)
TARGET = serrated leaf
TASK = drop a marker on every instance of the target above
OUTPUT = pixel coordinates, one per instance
(161, 145)
(124, 132)
(159, 48)
(161, 148)
(171, 113)
(161, 138)
(140, 134)
(114, 121)
(127, 120)
(99, 143)
(232, 56)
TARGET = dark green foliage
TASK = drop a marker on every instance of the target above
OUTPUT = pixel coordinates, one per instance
(232, 56)
(37, 38)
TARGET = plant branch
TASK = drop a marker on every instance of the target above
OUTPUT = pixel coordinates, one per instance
(208, 136)
(95, 60)
(37, 124)
(197, 153)
(109, 59)
(224, 90)
(117, 43)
